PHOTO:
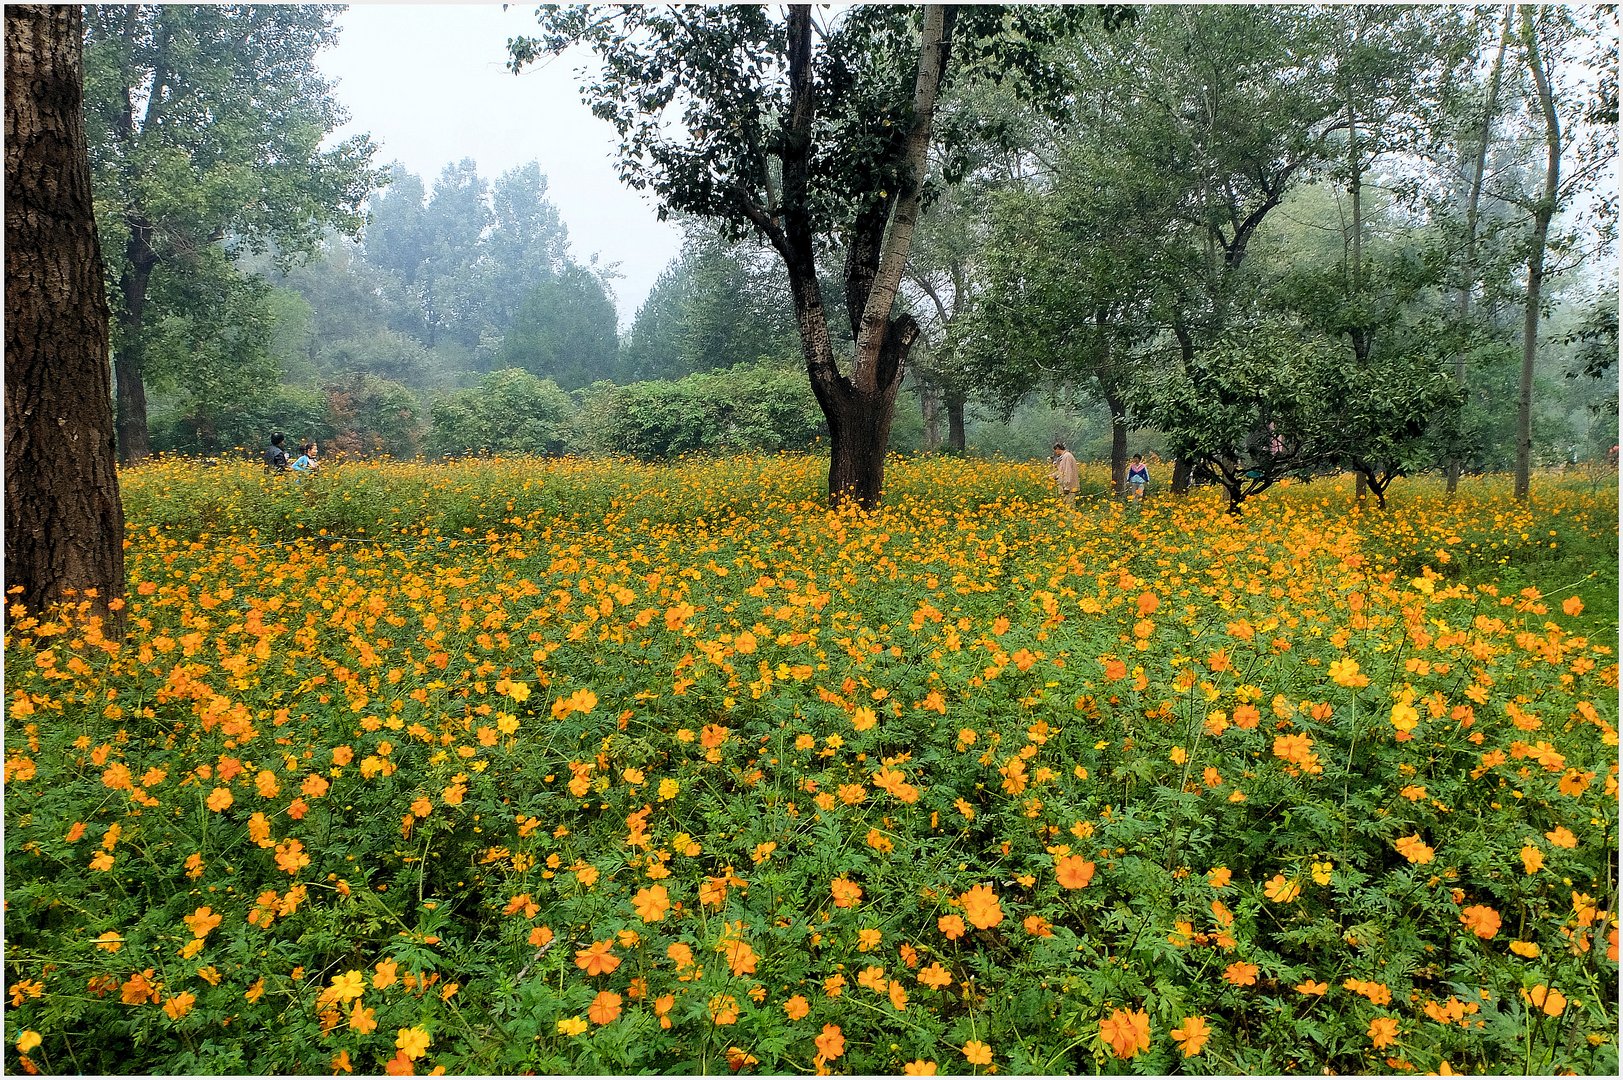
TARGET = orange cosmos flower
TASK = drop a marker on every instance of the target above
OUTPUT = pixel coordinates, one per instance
(982, 907)
(604, 1008)
(1525, 948)
(1551, 1000)
(1241, 974)
(1383, 1032)
(1126, 1032)
(978, 1052)
(796, 1007)
(1481, 920)
(201, 921)
(1561, 837)
(1192, 1034)
(740, 957)
(1532, 859)
(952, 926)
(597, 960)
(919, 1067)
(831, 1043)
(846, 893)
(651, 903)
(1281, 890)
(1344, 672)
(723, 1010)
(413, 1042)
(1311, 988)
(1415, 849)
(1073, 872)
(362, 1020)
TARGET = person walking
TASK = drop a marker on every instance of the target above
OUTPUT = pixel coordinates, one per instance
(1066, 474)
(275, 456)
(1138, 478)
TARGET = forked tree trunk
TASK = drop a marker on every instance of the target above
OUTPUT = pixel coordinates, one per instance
(64, 521)
(859, 407)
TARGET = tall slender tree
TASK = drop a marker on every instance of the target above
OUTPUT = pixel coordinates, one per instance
(64, 520)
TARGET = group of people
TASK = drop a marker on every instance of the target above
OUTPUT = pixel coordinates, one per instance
(1069, 476)
(277, 460)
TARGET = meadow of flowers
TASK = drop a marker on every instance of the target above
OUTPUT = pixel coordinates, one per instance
(508, 766)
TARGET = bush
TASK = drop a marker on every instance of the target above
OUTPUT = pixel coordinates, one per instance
(510, 411)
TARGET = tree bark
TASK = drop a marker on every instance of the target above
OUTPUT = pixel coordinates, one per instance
(1118, 441)
(1542, 213)
(64, 521)
(1472, 208)
(955, 422)
(134, 442)
(930, 408)
(1182, 469)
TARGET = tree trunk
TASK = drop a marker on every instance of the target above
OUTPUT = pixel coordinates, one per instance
(1543, 211)
(64, 521)
(859, 429)
(1182, 467)
(1118, 442)
(955, 422)
(930, 408)
(134, 442)
(1472, 206)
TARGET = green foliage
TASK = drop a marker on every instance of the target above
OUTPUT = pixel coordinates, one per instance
(564, 330)
(208, 344)
(755, 407)
(510, 411)
(715, 306)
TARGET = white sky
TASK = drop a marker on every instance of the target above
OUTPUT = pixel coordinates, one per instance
(428, 82)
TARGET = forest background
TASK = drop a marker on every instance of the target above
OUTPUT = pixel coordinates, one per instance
(1344, 183)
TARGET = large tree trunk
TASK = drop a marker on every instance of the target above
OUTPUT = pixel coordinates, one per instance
(64, 521)
(1472, 208)
(859, 429)
(1542, 213)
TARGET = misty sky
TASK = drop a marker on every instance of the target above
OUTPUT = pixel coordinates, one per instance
(428, 82)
